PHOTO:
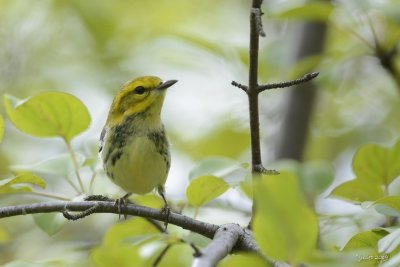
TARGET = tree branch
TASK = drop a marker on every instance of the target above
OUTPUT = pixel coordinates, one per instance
(307, 77)
(224, 240)
(245, 242)
(252, 91)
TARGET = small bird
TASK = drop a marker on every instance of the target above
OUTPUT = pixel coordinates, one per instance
(133, 144)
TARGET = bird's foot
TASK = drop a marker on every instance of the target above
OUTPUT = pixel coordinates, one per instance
(166, 211)
(122, 203)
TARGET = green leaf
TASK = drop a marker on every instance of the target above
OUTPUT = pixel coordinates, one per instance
(394, 161)
(149, 200)
(60, 165)
(284, 226)
(203, 189)
(247, 187)
(378, 242)
(389, 206)
(121, 255)
(48, 115)
(358, 190)
(366, 240)
(232, 171)
(5, 237)
(332, 258)
(135, 227)
(50, 223)
(377, 164)
(17, 184)
(311, 11)
(314, 178)
(243, 259)
(121, 244)
(1, 128)
(179, 255)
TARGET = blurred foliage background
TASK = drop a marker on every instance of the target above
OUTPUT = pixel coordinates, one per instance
(90, 48)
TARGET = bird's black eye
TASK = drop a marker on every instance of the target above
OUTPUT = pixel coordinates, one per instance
(139, 90)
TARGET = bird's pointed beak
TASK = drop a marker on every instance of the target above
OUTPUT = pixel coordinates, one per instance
(166, 84)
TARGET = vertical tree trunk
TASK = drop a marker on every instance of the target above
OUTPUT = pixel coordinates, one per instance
(296, 122)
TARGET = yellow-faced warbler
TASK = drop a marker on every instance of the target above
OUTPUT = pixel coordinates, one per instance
(133, 144)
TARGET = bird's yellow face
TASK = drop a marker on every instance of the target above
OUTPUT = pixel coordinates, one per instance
(144, 94)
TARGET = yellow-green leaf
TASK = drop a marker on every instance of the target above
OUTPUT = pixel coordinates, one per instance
(121, 244)
(394, 162)
(17, 184)
(1, 128)
(48, 114)
(366, 240)
(203, 189)
(4, 236)
(389, 206)
(149, 200)
(122, 231)
(377, 164)
(284, 226)
(247, 187)
(121, 255)
(310, 11)
(50, 223)
(179, 255)
(359, 190)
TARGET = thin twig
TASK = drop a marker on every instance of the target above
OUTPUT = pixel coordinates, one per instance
(241, 86)
(305, 78)
(73, 217)
(197, 252)
(159, 258)
(260, 169)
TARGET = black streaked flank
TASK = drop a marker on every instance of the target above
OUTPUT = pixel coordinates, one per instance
(160, 141)
(116, 156)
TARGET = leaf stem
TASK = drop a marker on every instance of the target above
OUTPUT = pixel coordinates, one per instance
(76, 165)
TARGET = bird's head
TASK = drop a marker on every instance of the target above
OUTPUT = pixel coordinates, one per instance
(141, 95)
